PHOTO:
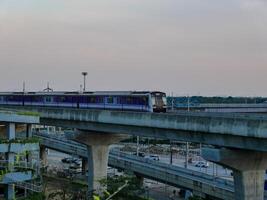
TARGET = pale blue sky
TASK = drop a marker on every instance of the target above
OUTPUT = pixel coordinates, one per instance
(195, 47)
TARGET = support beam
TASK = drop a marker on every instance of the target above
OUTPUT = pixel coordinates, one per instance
(11, 131)
(97, 166)
(10, 156)
(98, 150)
(140, 180)
(28, 130)
(248, 170)
(43, 155)
(84, 166)
(10, 192)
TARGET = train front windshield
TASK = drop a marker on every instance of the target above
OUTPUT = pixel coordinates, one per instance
(159, 102)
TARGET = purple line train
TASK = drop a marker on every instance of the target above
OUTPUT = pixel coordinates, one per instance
(143, 101)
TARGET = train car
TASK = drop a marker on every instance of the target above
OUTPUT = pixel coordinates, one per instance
(128, 100)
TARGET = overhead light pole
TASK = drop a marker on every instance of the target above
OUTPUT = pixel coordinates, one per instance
(84, 80)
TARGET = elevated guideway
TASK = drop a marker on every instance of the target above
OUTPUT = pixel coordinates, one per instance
(242, 131)
(199, 183)
(235, 135)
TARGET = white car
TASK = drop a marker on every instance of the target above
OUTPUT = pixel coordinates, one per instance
(152, 157)
(74, 169)
(202, 164)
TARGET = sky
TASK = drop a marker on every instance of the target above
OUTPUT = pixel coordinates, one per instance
(184, 47)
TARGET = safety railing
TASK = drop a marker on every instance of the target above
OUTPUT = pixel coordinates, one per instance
(32, 186)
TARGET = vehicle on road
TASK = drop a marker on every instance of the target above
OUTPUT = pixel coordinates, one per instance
(141, 154)
(65, 173)
(66, 160)
(74, 169)
(202, 164)
(152, 157)
(71, 160)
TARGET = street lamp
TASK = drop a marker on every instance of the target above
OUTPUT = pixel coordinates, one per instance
(84, 79)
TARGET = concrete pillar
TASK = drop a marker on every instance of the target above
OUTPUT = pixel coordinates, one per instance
(248, 170)
(28, 130)
(97, 166)
(249, 184)
(10, 192)
(84, 166)
(140, 181)
(186, 155)
(10, 157)
(29, 135)
(98, 149)
(11, 131)
(43, 155)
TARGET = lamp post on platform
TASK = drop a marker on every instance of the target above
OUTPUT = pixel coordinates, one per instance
(84, 80)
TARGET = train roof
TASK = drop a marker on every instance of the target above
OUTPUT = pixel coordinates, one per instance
(82, 93)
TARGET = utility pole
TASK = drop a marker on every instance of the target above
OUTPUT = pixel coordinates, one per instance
(84, 80)
(188, 103)
(171, 152)
(23, 86)
(137, 145)
(188, 109)
(186, 155)
(172, 101)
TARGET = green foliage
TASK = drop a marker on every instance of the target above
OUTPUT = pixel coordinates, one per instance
(35, 196)
(28, 113)
(20, 141)
(194, 100)
(132, 191)
(69, 191)
(195, 198)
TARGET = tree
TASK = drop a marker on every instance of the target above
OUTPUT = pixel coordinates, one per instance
(132, 191)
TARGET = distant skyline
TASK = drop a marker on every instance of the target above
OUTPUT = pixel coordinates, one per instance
(188, 47)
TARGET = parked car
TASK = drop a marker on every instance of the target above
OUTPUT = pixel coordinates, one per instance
(152, 157)
(71, 160)
(74, 169)
(65, 173)
(77, 162)
(140, 154)
(66, 160)
(202, 164)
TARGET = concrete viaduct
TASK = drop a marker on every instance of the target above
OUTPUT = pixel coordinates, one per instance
(199, 183)
(241, 139)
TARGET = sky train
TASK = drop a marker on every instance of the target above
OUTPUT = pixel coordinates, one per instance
(144, 101)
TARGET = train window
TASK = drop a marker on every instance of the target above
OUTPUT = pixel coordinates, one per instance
(27, 98)
(62, 99)
(119, 100)
(110, 100)
(153, 100)
(48, 99)
(83, 99)
(14, 98)
(164, 100)
(2, 98)
(129, 100)
(145, 100)
(36, 98)
(100, 99)
(91, 100)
